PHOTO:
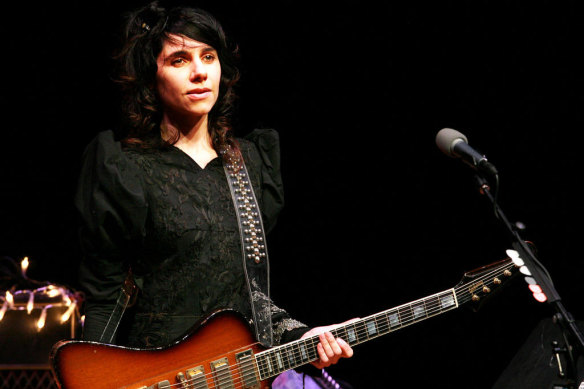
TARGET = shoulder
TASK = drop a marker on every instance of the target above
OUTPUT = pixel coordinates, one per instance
(262, 145)
(262, 138)
(107, 167)
(107, 151)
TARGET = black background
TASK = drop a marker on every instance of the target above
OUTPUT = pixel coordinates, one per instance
(376, 215)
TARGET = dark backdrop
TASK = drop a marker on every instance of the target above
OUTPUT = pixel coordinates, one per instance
(376, 215)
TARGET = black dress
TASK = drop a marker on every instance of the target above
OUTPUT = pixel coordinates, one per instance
(174, 224)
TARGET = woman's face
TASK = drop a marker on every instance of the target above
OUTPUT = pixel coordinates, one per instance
(187, 78)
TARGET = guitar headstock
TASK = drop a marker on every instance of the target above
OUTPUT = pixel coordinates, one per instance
(480, 283)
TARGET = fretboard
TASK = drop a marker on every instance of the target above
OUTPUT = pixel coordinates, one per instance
(294, 354)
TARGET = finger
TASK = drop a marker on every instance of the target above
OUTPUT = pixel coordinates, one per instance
(347, 350)
(326, 345)
(324, 359)
(333, 344)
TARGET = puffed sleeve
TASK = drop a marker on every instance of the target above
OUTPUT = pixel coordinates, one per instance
(112, 207)
(267, 147)
(266, 150)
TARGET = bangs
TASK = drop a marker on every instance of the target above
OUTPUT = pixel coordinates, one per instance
(197, 28)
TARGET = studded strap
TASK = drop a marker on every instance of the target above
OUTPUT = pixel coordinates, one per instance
(253, 245)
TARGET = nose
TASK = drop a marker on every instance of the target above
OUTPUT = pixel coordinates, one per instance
(198, 71)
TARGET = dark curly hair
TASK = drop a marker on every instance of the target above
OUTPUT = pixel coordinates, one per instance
(144, 33)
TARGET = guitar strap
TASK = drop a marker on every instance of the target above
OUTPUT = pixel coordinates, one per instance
(253, 246)
(254, 256)
(127, 296)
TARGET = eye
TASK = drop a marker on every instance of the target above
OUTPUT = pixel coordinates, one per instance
(179, 61)
(209, 58)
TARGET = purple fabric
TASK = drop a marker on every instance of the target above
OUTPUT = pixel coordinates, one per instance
(293, 380)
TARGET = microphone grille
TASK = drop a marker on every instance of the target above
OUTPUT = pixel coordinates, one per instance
(447, 138)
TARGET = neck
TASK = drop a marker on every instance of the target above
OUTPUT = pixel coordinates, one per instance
(193, 137)
(189, 130)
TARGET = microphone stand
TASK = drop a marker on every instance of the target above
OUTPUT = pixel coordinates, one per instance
(573, 337)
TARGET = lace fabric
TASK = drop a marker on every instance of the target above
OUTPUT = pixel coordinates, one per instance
(174, 224)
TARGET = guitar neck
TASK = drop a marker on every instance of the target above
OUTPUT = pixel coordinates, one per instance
(295, 354)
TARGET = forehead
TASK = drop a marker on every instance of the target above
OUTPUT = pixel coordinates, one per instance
(181, 43)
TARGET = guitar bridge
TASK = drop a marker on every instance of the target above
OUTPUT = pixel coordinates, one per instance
(161, 385)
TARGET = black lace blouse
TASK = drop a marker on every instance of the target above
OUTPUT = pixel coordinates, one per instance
(174, 224)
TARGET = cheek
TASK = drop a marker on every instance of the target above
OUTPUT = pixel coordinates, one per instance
(165, 87)
(217, 76)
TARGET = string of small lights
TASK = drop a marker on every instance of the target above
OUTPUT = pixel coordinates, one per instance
(39, 296)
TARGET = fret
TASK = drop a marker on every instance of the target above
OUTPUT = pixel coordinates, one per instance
(361, 330)
(394, 321)
(419, 311)
(371, 327)
(382, 324)
(447, 300)
(277, 360)
(311, 347)
(351, 334)
(340, 332)
(286, 357)
(405, 315)
(269, 366)
(303, 352)
(290, 357)
(432, 305)
(260, 363)
(245, 369)
(306, 350)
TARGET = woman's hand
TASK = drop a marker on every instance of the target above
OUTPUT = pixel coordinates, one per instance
(330, 350)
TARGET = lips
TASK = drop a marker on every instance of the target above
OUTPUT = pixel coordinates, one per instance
(199, 93)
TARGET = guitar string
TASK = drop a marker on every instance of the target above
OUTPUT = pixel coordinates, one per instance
(435, 306)
(357, 326)
(430, 309)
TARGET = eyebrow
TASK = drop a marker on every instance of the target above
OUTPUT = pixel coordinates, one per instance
(178, 53)
(182, 52)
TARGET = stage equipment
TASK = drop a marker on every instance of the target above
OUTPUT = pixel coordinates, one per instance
(571, 342)
(539, 360)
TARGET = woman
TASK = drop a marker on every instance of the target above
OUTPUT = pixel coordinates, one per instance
(158, 204)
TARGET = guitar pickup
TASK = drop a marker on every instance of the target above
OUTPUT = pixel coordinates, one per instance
(247, 369)
(196, 378)
(222, 374)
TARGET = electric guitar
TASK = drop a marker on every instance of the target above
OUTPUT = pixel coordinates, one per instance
(221, 352)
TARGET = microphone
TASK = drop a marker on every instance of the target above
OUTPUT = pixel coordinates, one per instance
(455, 145)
